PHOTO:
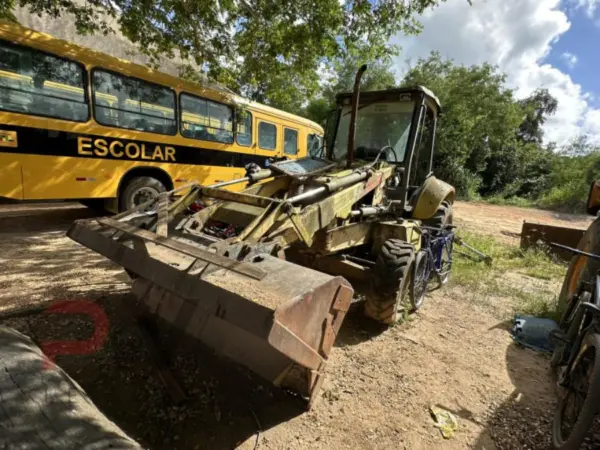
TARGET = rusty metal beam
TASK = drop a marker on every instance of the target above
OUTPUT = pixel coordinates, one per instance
(346, 236)
(162, 210)
(539, 235)
(218, 260)
(238, 197)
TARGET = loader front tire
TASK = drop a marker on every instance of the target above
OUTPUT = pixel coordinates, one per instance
(391, 282)
(443, 216)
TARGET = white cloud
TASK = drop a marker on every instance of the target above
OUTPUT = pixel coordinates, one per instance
(515, 35)
(570, 59)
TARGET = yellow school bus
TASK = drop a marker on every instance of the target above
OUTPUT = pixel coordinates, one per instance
(78, 124)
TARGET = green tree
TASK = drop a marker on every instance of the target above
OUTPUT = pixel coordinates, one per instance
(378, 76)
(537, 108)
(317, 110)
(269, 50)
(480, 120)
(573, 169)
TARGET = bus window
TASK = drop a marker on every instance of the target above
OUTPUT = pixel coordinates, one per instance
(267, 136)
(9, 59)
(290, 141)
(244, 128)
(314, 144)
(40, 84)
(206, 120)
(138, 105)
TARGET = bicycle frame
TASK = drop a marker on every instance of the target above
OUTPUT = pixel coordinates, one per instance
(434, 246)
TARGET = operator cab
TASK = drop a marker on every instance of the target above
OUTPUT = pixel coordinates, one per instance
(397, 124)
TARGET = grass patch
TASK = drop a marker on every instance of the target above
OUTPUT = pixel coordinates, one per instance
(529, 278)
(510, 201)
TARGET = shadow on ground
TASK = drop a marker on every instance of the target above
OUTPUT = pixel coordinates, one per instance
(225, 406)
(41, 407)
(357, 328)
(41, 218)
(524, 419)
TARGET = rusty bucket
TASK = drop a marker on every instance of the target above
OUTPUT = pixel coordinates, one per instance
(277, 318)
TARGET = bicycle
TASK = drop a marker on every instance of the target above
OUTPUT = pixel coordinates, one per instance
(577, 360)
(434, 259)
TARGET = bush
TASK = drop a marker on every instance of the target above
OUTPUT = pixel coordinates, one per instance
(571, 197)
(510, 201)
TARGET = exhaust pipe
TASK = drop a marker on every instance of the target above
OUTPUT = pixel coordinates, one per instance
(352, 129)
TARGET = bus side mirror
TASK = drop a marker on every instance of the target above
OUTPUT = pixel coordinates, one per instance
(593, 201)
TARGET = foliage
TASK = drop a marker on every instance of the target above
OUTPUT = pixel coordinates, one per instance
(573, 170)
(317, 110)
(298, 55)
(481, 119)
(490, 144)
(537, 107)
(268, 50)
(378, 76)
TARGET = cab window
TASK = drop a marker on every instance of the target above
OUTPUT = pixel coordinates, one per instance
(422, 158)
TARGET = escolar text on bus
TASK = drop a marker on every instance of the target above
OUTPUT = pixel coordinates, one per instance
(117, 149)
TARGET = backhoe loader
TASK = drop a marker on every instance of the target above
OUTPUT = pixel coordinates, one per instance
(260, 275)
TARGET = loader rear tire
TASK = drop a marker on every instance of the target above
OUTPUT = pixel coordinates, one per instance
(392, 282)
(443, 216)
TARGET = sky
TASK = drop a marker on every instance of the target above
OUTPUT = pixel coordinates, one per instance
(552, 44)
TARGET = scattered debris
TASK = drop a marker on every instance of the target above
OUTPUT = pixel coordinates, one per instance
(481, 256)
(445, 421)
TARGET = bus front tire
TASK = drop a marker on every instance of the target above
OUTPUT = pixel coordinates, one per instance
(139, 190)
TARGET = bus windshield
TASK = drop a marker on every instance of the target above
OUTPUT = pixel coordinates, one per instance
(377, 125)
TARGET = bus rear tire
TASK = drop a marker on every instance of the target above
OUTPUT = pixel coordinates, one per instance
(139, 190)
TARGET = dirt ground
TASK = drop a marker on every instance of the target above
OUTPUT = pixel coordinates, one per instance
(505, 222)
(455, 353)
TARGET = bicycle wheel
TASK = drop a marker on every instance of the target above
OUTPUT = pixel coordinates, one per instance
(578, 402)
(445, 263)
(420, 280)
(570, 323)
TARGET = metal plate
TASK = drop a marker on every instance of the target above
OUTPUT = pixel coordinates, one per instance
(302, 167)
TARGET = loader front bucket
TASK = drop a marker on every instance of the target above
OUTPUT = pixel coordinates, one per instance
(277, 318)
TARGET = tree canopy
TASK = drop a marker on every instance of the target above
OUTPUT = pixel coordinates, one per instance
(491, 144)
(298, 55)
(268, 50)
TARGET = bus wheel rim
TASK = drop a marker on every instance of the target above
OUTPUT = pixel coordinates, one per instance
(143, 194)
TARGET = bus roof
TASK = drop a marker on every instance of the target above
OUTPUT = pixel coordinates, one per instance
(209, 89)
